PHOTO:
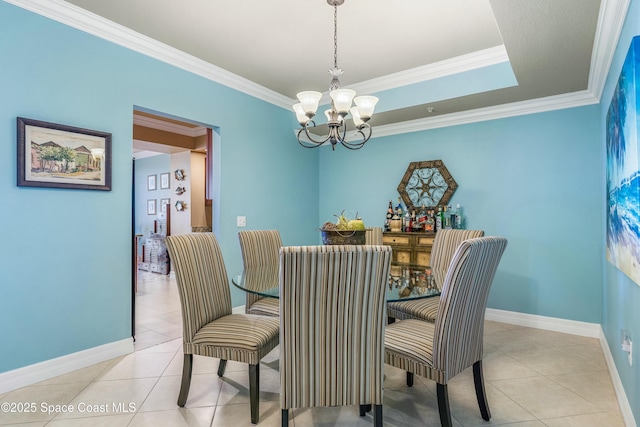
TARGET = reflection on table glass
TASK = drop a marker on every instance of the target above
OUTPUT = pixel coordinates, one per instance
(405, 282)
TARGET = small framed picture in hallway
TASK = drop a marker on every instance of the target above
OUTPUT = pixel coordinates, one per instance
(164, 181)
(151, 207)
(151, 183)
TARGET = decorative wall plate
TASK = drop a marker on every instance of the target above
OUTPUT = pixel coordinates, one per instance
(180, 205)
(180, 175)
(180, 190)
(427, 183)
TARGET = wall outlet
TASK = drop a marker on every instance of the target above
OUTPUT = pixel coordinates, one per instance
(627, 346)
(241, 221)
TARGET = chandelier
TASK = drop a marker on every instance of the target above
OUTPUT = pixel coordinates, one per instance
(341, 101)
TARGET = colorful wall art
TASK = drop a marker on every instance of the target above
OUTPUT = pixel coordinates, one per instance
(623, 168)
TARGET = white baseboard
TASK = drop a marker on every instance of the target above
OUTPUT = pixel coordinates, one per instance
(592, 330)
(584, 329)
(625, 408)
(238, 310)
(41, 371)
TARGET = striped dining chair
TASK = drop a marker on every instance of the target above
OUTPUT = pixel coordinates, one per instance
(332, 320)
(260, 248)
(373, 236)
(209, 327)
(444, 246)
(441, 350)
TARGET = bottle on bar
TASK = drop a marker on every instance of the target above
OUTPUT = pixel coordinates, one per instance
(459, 218)
(446, 217)
(452, 217)
(406, 224)
(422, 218)
(439, 217)
(430, 224)
(387, 222)
(399, 212)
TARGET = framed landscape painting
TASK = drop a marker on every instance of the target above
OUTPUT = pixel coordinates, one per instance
(623, 168)
(54, 155)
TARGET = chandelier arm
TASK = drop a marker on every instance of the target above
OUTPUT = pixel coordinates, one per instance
(306, 144)
(316, 143)
(357, 145)
(344, 132)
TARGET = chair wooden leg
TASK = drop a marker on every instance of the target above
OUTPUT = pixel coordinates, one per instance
(364, 409)
(443, 405)
(222, 367)
(409, 379)
(377, 416)
(481, 394)
(187, 367)
(285, 418)
(254, 392)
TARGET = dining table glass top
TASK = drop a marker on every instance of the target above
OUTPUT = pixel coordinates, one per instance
(406, 281)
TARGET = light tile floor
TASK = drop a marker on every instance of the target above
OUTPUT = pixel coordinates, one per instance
(534, 378)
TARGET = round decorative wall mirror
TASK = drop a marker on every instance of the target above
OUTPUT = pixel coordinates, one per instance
(427, 183)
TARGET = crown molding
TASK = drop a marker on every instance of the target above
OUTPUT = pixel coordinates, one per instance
(459, 64)
(610, 22)
(91, 23)
(557, 102)
(150, 122)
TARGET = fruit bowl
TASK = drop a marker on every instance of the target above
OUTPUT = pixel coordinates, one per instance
(343, 237)
(344, 232)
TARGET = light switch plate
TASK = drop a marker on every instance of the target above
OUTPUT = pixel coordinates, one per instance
(241, 221)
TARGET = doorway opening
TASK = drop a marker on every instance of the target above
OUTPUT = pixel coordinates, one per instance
(172, 194)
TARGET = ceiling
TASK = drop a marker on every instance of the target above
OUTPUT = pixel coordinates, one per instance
(432, 63)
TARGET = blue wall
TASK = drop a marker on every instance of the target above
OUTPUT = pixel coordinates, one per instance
(66, 267)
(621, 296)
(536, 180)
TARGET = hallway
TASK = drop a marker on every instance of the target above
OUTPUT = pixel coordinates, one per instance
(158, 317)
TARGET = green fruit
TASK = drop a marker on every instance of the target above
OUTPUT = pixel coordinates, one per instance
(356, 224)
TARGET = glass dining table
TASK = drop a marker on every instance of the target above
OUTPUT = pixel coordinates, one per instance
(406, 282)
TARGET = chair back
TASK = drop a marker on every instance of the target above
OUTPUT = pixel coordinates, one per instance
(260, 248)
(373, 236)
(459, 327)
(332, 320)
(445, 244)
(202, 280)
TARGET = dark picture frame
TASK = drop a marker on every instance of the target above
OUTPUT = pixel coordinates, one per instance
(60, 156)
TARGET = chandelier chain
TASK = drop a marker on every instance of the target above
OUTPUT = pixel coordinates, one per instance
(335, 36)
